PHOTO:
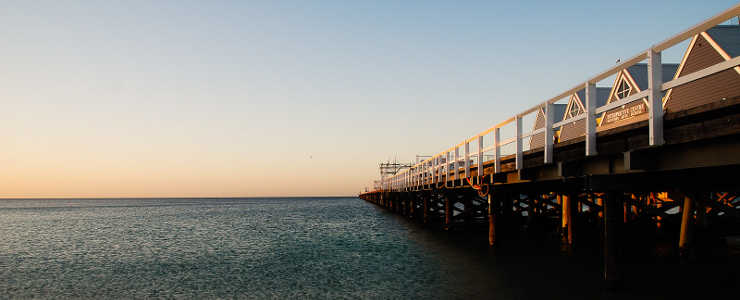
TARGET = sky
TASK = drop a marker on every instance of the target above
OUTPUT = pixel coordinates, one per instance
(284, 98)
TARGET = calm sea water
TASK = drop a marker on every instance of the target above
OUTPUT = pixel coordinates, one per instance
(262, 248)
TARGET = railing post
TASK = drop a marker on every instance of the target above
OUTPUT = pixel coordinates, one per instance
(457, 159)
(447, 167)
(655, 80)
(497, 150)
(412, 176)
(417, 175)
(433, 171)
(480, 159)
(427, 173)
(590, 119)
(548, 133)
(439, 168)
(519, 160)
(467, 159)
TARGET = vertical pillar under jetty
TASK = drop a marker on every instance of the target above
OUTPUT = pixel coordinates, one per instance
(612, 219)
(491, 221)
(448, 212)
(573, 209)
(687, 220)
(411, 199)
(507, 214)
(564, 216)
(425, 216)
(530, 208)
(468, 209)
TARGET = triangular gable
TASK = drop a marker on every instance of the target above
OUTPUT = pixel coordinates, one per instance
(576, 106)
(635, 78)
(538, 140)
(717, 44)
(623, 77)
(579, 98)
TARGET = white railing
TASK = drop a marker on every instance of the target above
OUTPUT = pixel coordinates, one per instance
(445, 166)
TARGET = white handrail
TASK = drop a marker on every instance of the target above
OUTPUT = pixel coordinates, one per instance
(425, 170)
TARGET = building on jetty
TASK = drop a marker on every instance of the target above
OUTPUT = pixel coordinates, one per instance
(609, 165)
(630, 81)
(538, 140)
(718, 44)
(576, 107)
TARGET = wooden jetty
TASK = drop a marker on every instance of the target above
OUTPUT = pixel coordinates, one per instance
(607, 162)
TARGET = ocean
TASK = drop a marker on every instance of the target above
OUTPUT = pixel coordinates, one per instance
(265, 248)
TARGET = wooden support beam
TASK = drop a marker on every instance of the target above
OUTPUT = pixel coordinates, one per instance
(448, 212)
(612, 216)
(640, 159)
(564, 213)
(411, 204)
(687, 220)
(573, 207)
(491, 221)
(467, 209)
(426, 209)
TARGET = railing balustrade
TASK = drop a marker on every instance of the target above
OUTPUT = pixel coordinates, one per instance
(429, 170)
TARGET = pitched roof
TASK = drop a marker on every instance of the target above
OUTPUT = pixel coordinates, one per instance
(727, 37)
(602, 95)
(558, 111)
(640, 74)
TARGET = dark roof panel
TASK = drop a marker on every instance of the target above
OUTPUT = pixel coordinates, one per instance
(727, 37)
(558, 111)
(640, 75)
(602, 95)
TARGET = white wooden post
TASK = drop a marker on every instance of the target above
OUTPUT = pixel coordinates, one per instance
(437, 165)
(548, 133)
(440, 165)
(590, 119)
(457, 159)
(412, 177)
(655, 80)
(497, 150)
(447, 168)
(426, 172)
(519, 158)
(433, 171)
(416, 176)
(480, 158)
(467, 160)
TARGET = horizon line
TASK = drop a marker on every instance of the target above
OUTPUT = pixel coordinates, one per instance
(169, 197)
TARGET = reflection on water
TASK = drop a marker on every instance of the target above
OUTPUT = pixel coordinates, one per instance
(279, 248)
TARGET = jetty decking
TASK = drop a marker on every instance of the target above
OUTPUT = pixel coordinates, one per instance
(661, 148)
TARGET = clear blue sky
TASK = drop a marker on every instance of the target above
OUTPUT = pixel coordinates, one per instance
(251, 98)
